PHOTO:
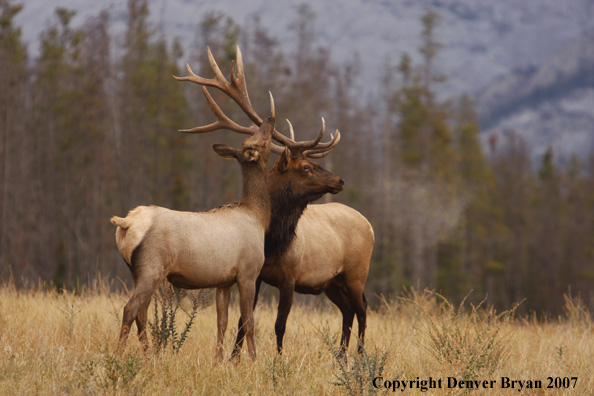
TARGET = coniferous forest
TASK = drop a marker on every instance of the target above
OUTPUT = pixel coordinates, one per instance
(88, 129)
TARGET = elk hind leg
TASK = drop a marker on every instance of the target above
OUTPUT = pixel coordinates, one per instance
(136, 310)
(141, 320)
(359, 304)
(336, 294)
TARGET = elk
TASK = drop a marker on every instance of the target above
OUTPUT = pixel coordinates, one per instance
(216, 248)
(312, 249)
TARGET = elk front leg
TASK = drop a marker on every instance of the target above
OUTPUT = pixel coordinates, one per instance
(284, 308)
(222, 303)
(236, 354)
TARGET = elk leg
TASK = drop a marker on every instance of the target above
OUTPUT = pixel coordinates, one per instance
(284, 308)
(359, 303)
(136, 309)
(222, 302)
(141, 320)
(236, 354)
(341, 300)
(247, 292)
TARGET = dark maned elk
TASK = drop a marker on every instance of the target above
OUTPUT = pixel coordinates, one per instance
(312, 249)
(217, 248)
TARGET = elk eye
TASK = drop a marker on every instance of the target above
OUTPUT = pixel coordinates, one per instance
(306, 168)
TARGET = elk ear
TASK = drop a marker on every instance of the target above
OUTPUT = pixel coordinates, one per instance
(225, 151)
(284, 160)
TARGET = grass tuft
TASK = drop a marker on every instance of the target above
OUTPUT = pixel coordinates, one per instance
(168, 300)
(470, 340)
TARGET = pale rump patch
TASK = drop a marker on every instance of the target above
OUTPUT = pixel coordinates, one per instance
(131, 230)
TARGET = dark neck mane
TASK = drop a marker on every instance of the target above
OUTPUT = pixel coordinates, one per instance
(285, 210)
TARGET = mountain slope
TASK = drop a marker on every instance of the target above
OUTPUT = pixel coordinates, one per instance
(549, 105)
(484, 46)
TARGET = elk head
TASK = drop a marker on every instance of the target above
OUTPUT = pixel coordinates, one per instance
(256, 148)
(300, 176)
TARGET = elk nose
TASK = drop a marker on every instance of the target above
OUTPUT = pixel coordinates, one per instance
(341, 182)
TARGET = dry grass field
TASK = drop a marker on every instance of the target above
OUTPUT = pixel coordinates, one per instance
(57, 344)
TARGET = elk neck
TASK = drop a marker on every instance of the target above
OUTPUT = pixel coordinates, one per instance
(255, 192)
(286, 208)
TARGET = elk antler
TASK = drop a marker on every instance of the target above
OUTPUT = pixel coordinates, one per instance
(312, 148)
(236, 89)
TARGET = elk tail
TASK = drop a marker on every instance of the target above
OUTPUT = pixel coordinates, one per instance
(120, 221)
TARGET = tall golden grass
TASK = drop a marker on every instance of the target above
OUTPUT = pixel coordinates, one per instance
(58, 343)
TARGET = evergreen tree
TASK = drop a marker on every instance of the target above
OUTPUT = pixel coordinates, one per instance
(152, 108)
(425, 188)
(13, 143)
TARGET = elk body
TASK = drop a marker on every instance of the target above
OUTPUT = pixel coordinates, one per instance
(217, 248)
(313, 249)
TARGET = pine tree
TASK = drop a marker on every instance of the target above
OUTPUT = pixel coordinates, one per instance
(13, 142)
(425, 189)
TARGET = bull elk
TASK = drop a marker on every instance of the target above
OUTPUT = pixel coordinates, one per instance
(216, 248)
(312, 249)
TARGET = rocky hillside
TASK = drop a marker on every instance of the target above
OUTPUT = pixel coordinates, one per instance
(551, 104)
(528, 64)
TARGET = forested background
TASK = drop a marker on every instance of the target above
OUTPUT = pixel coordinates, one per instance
(89, 129)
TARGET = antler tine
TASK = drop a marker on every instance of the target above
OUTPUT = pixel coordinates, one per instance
(272, 108)
(312, 148)
(323, 149)
(217, 71)
(314, 142)
(193, 77)
(298, 147)
(236, 89)
(223, 122)
(291, 131)
(239, 79)
(334, 139)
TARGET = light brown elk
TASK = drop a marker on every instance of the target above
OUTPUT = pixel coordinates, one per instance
(217, 248)
(312, 249)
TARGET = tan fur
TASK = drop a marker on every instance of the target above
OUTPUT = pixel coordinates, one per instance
(332, 239)
(131, 230)
(201, 250)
